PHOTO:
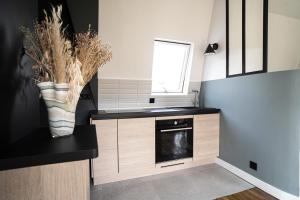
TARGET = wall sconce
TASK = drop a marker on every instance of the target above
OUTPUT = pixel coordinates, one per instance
(211, 49)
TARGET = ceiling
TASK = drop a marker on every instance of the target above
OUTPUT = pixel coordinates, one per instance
(289, 8)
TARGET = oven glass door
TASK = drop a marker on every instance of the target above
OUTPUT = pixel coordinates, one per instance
(173, 145)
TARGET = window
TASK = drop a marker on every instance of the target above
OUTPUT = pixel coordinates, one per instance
(171, 67)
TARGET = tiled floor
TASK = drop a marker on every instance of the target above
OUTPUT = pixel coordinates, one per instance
(201, 183)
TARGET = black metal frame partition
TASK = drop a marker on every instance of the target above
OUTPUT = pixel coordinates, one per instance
(265, 39)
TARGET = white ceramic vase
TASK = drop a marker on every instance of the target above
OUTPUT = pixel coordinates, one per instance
(61, 113)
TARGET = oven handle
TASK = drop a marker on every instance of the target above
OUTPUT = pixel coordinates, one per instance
(176, 129)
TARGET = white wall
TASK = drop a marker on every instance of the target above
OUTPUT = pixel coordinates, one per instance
(284, 38)
(254, 35)
(131, 26)
(215, 65)
(284, 42)
(289, 8)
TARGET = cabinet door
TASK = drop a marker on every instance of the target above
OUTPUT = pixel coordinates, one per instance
(105, 167)
(136, 146)
(206, 136)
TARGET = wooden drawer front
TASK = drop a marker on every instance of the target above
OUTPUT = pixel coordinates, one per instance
(136, 144)
(206, 136)
(107, 134)
(136, 160)
(205, 149)
(106, 164)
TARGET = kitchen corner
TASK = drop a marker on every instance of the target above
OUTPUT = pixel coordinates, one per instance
(142, 142)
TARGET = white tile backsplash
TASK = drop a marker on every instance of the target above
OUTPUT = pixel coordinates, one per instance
(129, 94)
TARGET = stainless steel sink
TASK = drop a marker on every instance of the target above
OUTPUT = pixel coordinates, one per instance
(124, 111)
(166, 110)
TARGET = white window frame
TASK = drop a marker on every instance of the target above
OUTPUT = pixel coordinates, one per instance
(186, 72)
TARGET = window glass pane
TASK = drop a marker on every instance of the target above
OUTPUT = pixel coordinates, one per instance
(170, 62)
(235, 37)
(254, 35)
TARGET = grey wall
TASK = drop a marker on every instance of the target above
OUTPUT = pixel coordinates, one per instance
(260, 121)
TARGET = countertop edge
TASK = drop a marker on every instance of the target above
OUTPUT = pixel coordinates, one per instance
(39, 160)
(103, 116)
(39, 149)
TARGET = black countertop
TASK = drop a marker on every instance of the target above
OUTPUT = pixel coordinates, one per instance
(39, 148)
(155, 112)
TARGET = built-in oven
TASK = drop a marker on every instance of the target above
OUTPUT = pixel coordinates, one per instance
(173, 139)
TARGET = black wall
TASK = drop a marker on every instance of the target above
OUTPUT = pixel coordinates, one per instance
(19, 101)
(21, 109)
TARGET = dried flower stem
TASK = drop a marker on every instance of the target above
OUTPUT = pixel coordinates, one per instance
(41, 64)
(57, 61)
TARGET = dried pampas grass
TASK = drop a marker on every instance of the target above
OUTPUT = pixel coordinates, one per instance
(91, 52)
(61, 52)
(58, 60)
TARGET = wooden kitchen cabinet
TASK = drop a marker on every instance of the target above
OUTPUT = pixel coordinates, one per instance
(136, 140)
(105, 167)
(206, 137)
(59, 181)
(127, 147)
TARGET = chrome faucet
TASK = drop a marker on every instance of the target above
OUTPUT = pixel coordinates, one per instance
(196, 98)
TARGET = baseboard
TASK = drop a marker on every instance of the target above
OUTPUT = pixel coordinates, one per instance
(279, 194)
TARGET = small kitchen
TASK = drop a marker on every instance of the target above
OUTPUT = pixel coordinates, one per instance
(149, 120)
(149, 100)
(162, 118)
(152, 141)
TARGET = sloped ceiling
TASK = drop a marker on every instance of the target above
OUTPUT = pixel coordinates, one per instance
(289, 8)
(131, 26)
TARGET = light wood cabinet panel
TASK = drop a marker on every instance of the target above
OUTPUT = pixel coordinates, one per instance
(106, 165)
(206, 136)
(61, 181)
(127, 147)
(136, 146)
(107, 134)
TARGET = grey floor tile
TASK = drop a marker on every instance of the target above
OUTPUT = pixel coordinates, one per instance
(201, 183)
(117, 191)
(175, 186)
